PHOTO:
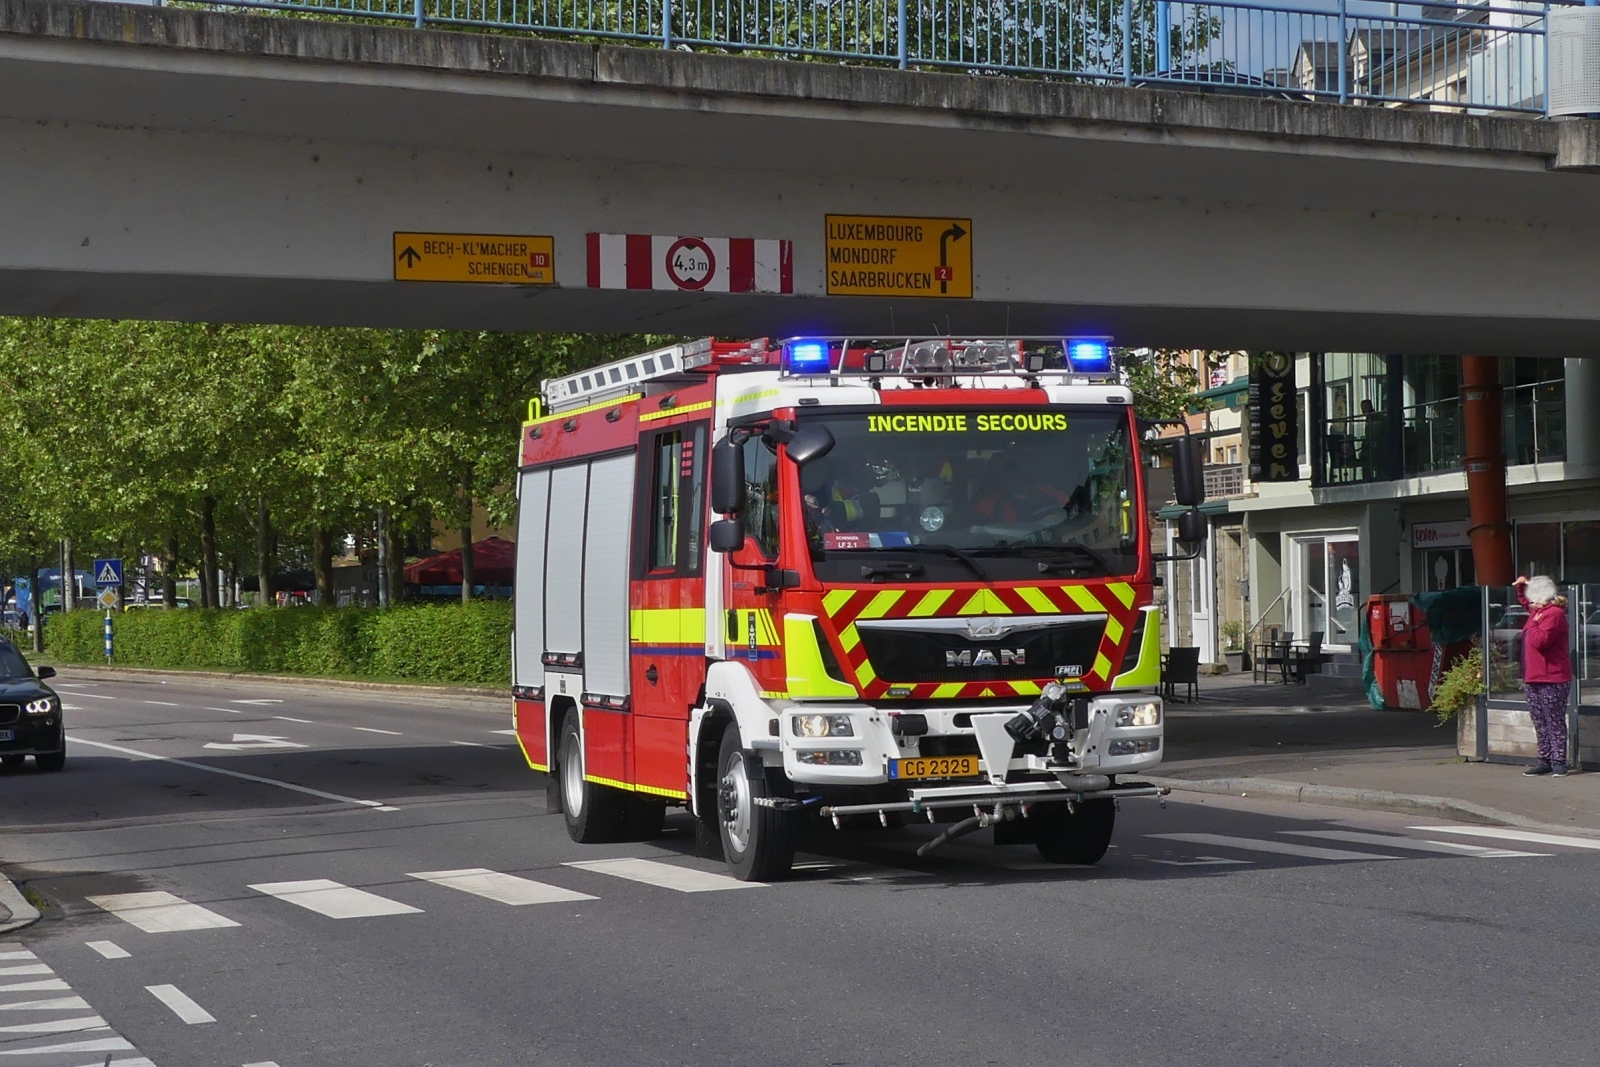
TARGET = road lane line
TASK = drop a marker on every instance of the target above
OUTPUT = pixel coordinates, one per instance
(164, 703)
(263, 1063)
(181, 1004)
(1527, 836)
(474, 744)
(664, 875)
(94, 696)
(375, 730)
(160, 912)
(260, 700)
(286, 718)
(505, 888)
(334, 900)
(230, 711)
(508, 733)
(1444, 848)
(233, 774)
(49, 1004)
(1281, 848)
(109, 949)
(58, 1026)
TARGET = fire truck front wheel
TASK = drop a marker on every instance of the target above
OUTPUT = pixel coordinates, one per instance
(758, 841)
(594, 813)
(1080, 836)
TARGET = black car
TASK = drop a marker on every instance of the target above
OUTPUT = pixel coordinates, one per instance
(30, 714)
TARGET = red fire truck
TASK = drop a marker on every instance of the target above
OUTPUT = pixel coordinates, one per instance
(840, 579)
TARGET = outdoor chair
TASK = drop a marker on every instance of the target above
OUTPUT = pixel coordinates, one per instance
(1272, 658)
(1181, 666)
(1306, 660)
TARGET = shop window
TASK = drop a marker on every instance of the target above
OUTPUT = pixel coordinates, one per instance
(1539, 548)
(1581, 545)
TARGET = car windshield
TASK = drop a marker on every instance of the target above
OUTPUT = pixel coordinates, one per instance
(12, 665)
(999, 494)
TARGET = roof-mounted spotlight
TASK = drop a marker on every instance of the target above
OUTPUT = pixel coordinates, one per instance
(876, 362)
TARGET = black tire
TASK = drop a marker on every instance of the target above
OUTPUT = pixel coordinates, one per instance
(1080, 837)
(642, 818)
(757, 842)
(593, 812)
(15, 759)
(51, 761)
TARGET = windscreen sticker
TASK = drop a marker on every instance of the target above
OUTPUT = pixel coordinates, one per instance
(844, 541)
(1010, 422)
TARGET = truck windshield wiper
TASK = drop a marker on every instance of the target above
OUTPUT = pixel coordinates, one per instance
(950, 550)
(891, 569)
(1086, 555)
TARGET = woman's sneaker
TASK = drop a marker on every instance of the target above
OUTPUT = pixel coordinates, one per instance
(1559, 771)
(1538, 769)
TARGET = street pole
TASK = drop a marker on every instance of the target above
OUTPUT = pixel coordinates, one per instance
(383, 560)
(108, 636)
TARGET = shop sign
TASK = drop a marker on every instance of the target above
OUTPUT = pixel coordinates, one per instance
(1440, 534)
(1273, 425)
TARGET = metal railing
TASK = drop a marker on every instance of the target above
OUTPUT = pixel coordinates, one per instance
(1224, 480)
(1471, 56)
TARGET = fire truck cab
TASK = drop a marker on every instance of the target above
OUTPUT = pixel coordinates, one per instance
(836, 580)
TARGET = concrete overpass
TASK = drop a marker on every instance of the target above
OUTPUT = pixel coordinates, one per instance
(161, 163)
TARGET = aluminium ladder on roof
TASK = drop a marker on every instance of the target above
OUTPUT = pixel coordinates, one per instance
(624, 376)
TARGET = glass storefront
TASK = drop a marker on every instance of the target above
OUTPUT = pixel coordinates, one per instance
(1325, 588)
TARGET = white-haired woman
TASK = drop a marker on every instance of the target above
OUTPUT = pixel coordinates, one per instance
(1546, 670)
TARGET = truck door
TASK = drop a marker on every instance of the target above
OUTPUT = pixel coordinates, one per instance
(751, 621)
(667, 616)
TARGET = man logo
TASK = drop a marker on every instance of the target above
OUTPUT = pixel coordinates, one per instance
(987, 657)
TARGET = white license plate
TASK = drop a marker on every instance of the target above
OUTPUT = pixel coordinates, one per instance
(8, 735)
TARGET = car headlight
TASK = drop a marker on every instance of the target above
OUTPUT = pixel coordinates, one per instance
(42, 706)
(822, 726)
(1139, 715)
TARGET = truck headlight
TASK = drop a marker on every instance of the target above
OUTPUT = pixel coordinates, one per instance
(831, 757)
(42, 706)
(822, 726)
(1129, 746)
(1139, 715)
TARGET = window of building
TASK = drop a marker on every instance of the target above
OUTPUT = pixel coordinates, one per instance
(1539, 548)
(1534, 392)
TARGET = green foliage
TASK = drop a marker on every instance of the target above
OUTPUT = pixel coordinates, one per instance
(1461, 685)
(1233, 634)
(445, 644)
(1162, 381)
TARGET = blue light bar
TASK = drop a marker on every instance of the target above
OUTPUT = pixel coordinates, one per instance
(807, 357)
(1091, 355)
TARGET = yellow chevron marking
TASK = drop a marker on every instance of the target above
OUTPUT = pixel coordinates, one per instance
(667, 413)
(985, 602)
(1123, 592)
(865, 674)
(1102, 665)
(836, 599)
(987, 692)
(880, 605)
(1083, 598)
(1036, 600)
(1114, 631)
(849, 638)
(931, 602)
(948, 689)
(1025, 689)
(766, 629)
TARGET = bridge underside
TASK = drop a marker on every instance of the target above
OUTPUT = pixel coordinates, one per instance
(188, 165)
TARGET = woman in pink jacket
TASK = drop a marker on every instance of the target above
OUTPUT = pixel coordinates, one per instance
(1546, 671)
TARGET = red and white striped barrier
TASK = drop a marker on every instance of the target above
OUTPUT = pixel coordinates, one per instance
(692, 264)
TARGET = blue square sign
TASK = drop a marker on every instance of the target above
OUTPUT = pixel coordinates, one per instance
(107, 572)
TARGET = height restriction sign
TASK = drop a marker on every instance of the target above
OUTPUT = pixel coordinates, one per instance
(891, 255)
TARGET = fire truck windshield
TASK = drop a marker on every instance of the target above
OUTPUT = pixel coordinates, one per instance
(993, 494)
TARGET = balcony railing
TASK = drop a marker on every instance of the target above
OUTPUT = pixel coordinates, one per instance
(1224, 480)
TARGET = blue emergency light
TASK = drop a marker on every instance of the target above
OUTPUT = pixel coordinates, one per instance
(807, 357)
(1090, 355)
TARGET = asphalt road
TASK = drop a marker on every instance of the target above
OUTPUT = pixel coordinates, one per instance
(298, 933)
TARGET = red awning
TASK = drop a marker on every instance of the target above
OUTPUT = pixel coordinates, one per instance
(494, 562)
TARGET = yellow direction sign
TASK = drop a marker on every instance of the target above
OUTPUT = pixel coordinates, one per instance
(486, 258)
(890, 255)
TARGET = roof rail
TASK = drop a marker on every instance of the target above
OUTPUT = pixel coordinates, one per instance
(623, 376)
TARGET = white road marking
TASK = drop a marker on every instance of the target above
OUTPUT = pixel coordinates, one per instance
(136, 754)
(1202, 861)
(385, 807)
(17, 954)
(160, 912)
(264, 700)
(242, 742)
(164, 703)
(102, 1044)
(1281, 848)
(181, 1004)
(508, 733)
(34, 968)
(1445, 848)
(95, 696)
(664, 875)
(58, 1026)
(70, 707)
(473, 744)
(505, 888)
(109, 949)
(18, 987)
(263, 1063)
(335, 900)
(375, 730)
(49, 1004)
(230, 711)
(1529, 836)
(286, 718)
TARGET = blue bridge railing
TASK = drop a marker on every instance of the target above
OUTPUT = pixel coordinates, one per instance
(1477, 57)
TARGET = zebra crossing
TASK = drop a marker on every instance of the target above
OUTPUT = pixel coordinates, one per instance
(161, 912)
(43, 1023)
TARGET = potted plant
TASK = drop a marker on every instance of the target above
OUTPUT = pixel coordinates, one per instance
(1233, 651)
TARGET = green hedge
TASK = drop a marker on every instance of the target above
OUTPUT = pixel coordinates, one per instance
(453, 644)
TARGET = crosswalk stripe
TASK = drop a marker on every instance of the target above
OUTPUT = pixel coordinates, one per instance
(664, 875)
(1281, 848)
(27, 968)
(48, 1004)
(181, 1004)
(1505, 834)
(505, 888)
(1443, 848)
(109, 949)
(18, 987)
(17, 954)
(160, 912)
(99, 1044)
(334, 900)
(57, 1026)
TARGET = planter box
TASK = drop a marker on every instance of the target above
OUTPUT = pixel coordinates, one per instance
(1236, 662)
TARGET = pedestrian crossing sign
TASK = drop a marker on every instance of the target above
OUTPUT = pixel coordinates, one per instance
(108, 572)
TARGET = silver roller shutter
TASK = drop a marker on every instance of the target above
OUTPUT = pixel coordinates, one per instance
(605, 589)
(533, 504)
(563, 572)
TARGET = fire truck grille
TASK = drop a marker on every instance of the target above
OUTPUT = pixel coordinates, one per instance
(909, 655)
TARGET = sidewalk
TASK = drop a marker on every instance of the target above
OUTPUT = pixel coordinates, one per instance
(1241, 737)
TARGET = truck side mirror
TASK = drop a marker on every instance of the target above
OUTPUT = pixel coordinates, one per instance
(1191, 530)
(809, 443)
(727, 535)
(727, 477)
(1188, 472)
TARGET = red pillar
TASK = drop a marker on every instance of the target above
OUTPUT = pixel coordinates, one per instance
(1483, 418)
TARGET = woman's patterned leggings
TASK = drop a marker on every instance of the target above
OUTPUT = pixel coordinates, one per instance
(1547, 702)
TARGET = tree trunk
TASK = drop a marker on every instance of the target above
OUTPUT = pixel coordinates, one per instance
(395, 551)
(69, 576)
(322, 564)
(208, 553)
(169, 573)
(265, 564)
(468, 578)
(36, 619)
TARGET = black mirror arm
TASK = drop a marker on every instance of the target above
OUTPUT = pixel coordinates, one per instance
(1180, 557)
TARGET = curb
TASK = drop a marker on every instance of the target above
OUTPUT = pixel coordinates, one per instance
(295, 679)
(22, 913)
(1370, 799)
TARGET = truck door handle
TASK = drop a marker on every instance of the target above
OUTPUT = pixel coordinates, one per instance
(650, 674)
